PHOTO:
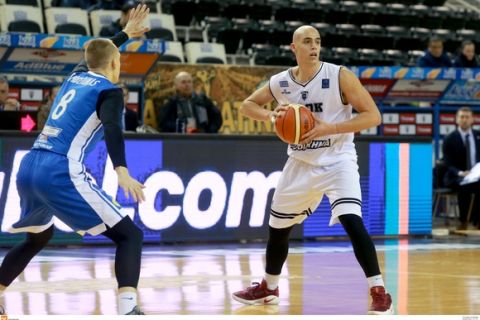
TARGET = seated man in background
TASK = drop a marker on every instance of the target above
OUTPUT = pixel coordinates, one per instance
(130, 117)
(44, 109)
(461, 151)
(434, 56)
(118, 25)
(466, 58)
(6, 103)
(188, 111)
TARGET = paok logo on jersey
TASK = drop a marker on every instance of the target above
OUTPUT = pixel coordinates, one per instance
(315, 106)
(304, 95)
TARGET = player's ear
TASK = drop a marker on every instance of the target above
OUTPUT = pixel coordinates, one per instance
(292, 47)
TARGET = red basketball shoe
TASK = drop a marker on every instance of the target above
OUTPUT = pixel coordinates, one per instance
(257, 294)
(381, 301)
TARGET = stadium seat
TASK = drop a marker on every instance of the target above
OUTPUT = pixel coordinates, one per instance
(162, 27)
(199, 52)
(342, 55)
(206, 8)
(33, 3)
(58, 16)
(396, 57)
(102, 18)
(71, 28)
(183, 11)
(434, 3)
(21, 18)
(236, 10)
(272, 55)
(221, 30)
(173, 52)
(260, 11)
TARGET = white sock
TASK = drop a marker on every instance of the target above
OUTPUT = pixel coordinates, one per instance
(272, 281)
(375, 281)
(126, 302)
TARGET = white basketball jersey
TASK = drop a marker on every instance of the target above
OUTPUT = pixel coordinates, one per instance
(321, 95)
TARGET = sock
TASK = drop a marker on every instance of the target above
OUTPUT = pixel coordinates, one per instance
(126, 302)
(272, 281)
(375, 281)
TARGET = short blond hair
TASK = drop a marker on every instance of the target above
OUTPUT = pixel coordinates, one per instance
(99, 53)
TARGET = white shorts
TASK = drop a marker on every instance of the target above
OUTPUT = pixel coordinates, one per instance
(301, 188)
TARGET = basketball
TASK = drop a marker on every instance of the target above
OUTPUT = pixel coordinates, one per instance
(293, 123)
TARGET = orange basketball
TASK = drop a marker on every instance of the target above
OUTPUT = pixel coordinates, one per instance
(292, 124)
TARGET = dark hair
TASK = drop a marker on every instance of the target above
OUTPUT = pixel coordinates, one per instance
(466, 43)
(435, 39)
(3, 80)
(128, 6)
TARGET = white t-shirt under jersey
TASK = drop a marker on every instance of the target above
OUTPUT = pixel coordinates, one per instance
(322, 95)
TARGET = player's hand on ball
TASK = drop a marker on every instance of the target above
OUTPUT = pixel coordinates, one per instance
(277, 111)
(129, 185)
(320, 129)
(135, 26)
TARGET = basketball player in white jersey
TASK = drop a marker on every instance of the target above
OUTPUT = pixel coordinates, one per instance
(324, 163)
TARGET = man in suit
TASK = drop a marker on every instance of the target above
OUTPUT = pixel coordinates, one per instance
(461, 151)
(187, 111)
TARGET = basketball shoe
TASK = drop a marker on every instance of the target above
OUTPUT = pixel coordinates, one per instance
(2, 310)
(381, 301)
(135, 312)
(257, 294)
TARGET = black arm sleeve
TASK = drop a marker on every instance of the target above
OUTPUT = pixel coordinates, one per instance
(110, 112)
(118, 39)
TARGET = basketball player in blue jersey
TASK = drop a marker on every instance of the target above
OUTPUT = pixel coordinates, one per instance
(324, 163)
(52, 181)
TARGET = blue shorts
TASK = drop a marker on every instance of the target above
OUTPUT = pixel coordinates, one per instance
(50, 184)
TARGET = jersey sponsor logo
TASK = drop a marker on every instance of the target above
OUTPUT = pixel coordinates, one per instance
(285, 91)
(315, 106)
(315, 144)
(325, 83)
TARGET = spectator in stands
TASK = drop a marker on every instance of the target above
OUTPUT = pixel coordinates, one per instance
(6, 103)
(44, 109)
(466, 58)
(130, 117)
(188, 111)
(461, 150)
(83, 4)
(117, 26)
(107, 5)
(434, 56)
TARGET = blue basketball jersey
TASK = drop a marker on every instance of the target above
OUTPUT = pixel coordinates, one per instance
(73, 127)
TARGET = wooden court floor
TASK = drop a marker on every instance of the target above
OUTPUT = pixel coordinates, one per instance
(423, 276)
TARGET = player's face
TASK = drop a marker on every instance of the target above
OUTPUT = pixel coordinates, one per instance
(464, 120)
(307, 46)
(469, 51)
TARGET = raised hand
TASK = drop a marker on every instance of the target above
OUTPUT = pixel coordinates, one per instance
(135, 26)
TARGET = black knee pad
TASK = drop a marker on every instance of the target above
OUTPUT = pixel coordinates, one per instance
(123, 231)
(39, 240)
